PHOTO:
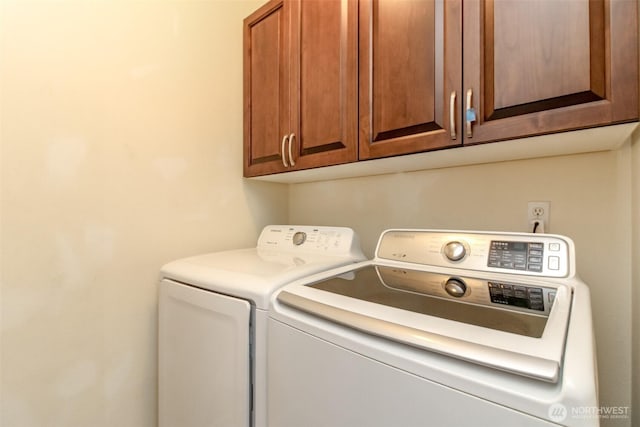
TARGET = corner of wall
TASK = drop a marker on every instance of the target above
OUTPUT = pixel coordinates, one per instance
(635, 275)
(267, 201)
(635, 269)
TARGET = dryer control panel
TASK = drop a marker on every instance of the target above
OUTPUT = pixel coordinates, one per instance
(513, 253)
(336, 241)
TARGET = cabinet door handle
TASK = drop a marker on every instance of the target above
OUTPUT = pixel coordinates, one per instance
(284, 159)
(292, 137)
(470, 114)
(452, 114)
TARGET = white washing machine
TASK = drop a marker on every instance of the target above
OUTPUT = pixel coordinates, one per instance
(212, 322)
(441, 328)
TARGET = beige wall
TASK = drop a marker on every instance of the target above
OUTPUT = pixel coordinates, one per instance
(636, 274)
(121, 134)
(590, 202)
(120, 149)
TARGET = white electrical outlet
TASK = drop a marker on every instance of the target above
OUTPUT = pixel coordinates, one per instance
(538, 212)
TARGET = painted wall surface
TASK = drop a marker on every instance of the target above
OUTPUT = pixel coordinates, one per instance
(121, 136)
(120, 149)
(635, 324)
(590, 197)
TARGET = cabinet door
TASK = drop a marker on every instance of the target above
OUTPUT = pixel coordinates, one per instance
(544, 66)
(410, 75)
(324, 77)
(266, 88)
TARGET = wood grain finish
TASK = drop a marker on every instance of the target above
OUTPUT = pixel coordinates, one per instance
(546, 66)
(410, 63)
(362, 79)
(266, 88)
(320, 75)
(404, 77)
(324, 74)
(543, 55)
(301, 81)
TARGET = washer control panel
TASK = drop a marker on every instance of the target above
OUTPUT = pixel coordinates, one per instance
(515, 253)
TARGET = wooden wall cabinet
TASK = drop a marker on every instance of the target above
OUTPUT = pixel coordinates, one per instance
(537, 67)
(410, 75)
(300, 85)
(363, 79)
(516, 69)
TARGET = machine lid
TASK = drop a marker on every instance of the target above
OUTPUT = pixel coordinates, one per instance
(514, 327)
(283, 254)
(252, 274)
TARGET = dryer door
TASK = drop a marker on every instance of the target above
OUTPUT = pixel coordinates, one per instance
(204, 358)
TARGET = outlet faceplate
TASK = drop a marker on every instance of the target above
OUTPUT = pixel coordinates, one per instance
(537, 211)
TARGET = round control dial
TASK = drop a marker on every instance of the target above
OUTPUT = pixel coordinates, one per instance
(299, 238)
(455, 287)
(455, 251)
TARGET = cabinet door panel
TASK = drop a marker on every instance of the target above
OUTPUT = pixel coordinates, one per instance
(320, 75)
(538, 67)
(410, 62)
(324, 74)
(404, 55)
(266, 109)
(545, 66)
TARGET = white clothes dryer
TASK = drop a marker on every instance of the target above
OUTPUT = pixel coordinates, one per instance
(213, 317)
(442, 328)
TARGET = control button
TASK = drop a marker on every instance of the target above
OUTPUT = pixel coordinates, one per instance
(520, 257)
(299, 238)
(554, 247)
(554, 263)
(535, 267)
(455, 287)
(535, 260)
(454, 251)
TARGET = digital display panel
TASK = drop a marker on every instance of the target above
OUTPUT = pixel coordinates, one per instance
(525, 256)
